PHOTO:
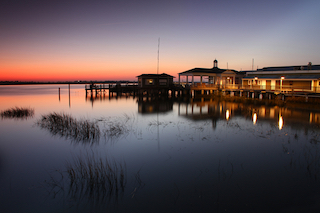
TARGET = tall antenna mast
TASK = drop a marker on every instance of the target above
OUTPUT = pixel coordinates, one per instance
(158, 55)
(252, 63)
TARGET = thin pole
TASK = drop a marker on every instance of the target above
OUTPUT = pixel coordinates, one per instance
(158, 55)
(69, 97)
(252, 63)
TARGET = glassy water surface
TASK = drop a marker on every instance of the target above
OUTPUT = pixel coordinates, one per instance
(79, 154)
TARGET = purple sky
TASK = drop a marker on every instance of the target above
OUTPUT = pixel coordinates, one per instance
(119, 39)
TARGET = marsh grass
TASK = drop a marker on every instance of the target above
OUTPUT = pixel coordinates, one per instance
(90, 179)
(117, 127)
(17, 113)
(66, 126)
(86, 131)
(95, 179)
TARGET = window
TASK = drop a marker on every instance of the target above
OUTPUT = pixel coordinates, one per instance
(162, 82)
(149, 82)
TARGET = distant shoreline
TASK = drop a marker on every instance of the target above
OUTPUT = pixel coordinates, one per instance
(63, 82)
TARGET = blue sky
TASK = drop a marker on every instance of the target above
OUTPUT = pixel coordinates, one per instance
(118, 40)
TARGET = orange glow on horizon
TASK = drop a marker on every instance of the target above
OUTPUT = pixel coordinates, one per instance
(82, 72)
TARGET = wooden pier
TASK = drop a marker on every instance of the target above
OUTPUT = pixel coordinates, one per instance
(116, 90)
(256, 93)
(134, 90)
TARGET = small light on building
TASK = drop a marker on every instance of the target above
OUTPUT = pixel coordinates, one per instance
(282, 77)
(255, 78)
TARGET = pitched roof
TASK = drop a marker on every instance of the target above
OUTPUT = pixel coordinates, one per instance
(214, 70)
(163, 75)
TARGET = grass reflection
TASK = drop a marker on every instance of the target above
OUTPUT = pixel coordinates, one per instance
(17, 113)
(70, 128)
(115, 128)
(90, 179)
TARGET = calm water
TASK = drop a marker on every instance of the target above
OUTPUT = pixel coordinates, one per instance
(77, 154)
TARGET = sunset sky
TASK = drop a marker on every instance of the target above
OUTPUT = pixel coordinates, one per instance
(118, 39)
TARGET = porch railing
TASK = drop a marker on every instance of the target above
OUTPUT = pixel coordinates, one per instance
(276, 88)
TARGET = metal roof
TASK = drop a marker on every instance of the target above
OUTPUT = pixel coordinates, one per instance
(163, 75)
(290, 68)
(286, 77)
(214, 70)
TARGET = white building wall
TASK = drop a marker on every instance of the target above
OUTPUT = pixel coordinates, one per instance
(273, 84)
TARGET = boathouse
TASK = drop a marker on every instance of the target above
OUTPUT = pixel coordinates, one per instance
(304, 78)
(214, 77)
(155, 80)
(157, 84)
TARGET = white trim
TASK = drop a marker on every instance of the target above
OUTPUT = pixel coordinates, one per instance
(284, 72)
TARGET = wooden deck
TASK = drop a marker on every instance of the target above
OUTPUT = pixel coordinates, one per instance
(111, 90)
(134, 90)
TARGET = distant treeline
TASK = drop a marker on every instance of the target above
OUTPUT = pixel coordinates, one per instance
(62, 82)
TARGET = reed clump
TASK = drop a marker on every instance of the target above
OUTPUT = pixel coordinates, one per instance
(66, 126)
(95, 178)
(90, 179)
(18, 113)
(117, 127)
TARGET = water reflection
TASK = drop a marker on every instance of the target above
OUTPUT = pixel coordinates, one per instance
(116, 128)
(17, 113)
(227, 114)
(66, 126)
(280, 122)
(147, 105)
(220, 110)
(89, 179)
(254, 118)
(244, 164)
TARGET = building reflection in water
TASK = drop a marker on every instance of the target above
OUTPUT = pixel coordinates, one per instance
(148, 105)
(227, 114)
(215, 110)
(254, 118)
(280, 122)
